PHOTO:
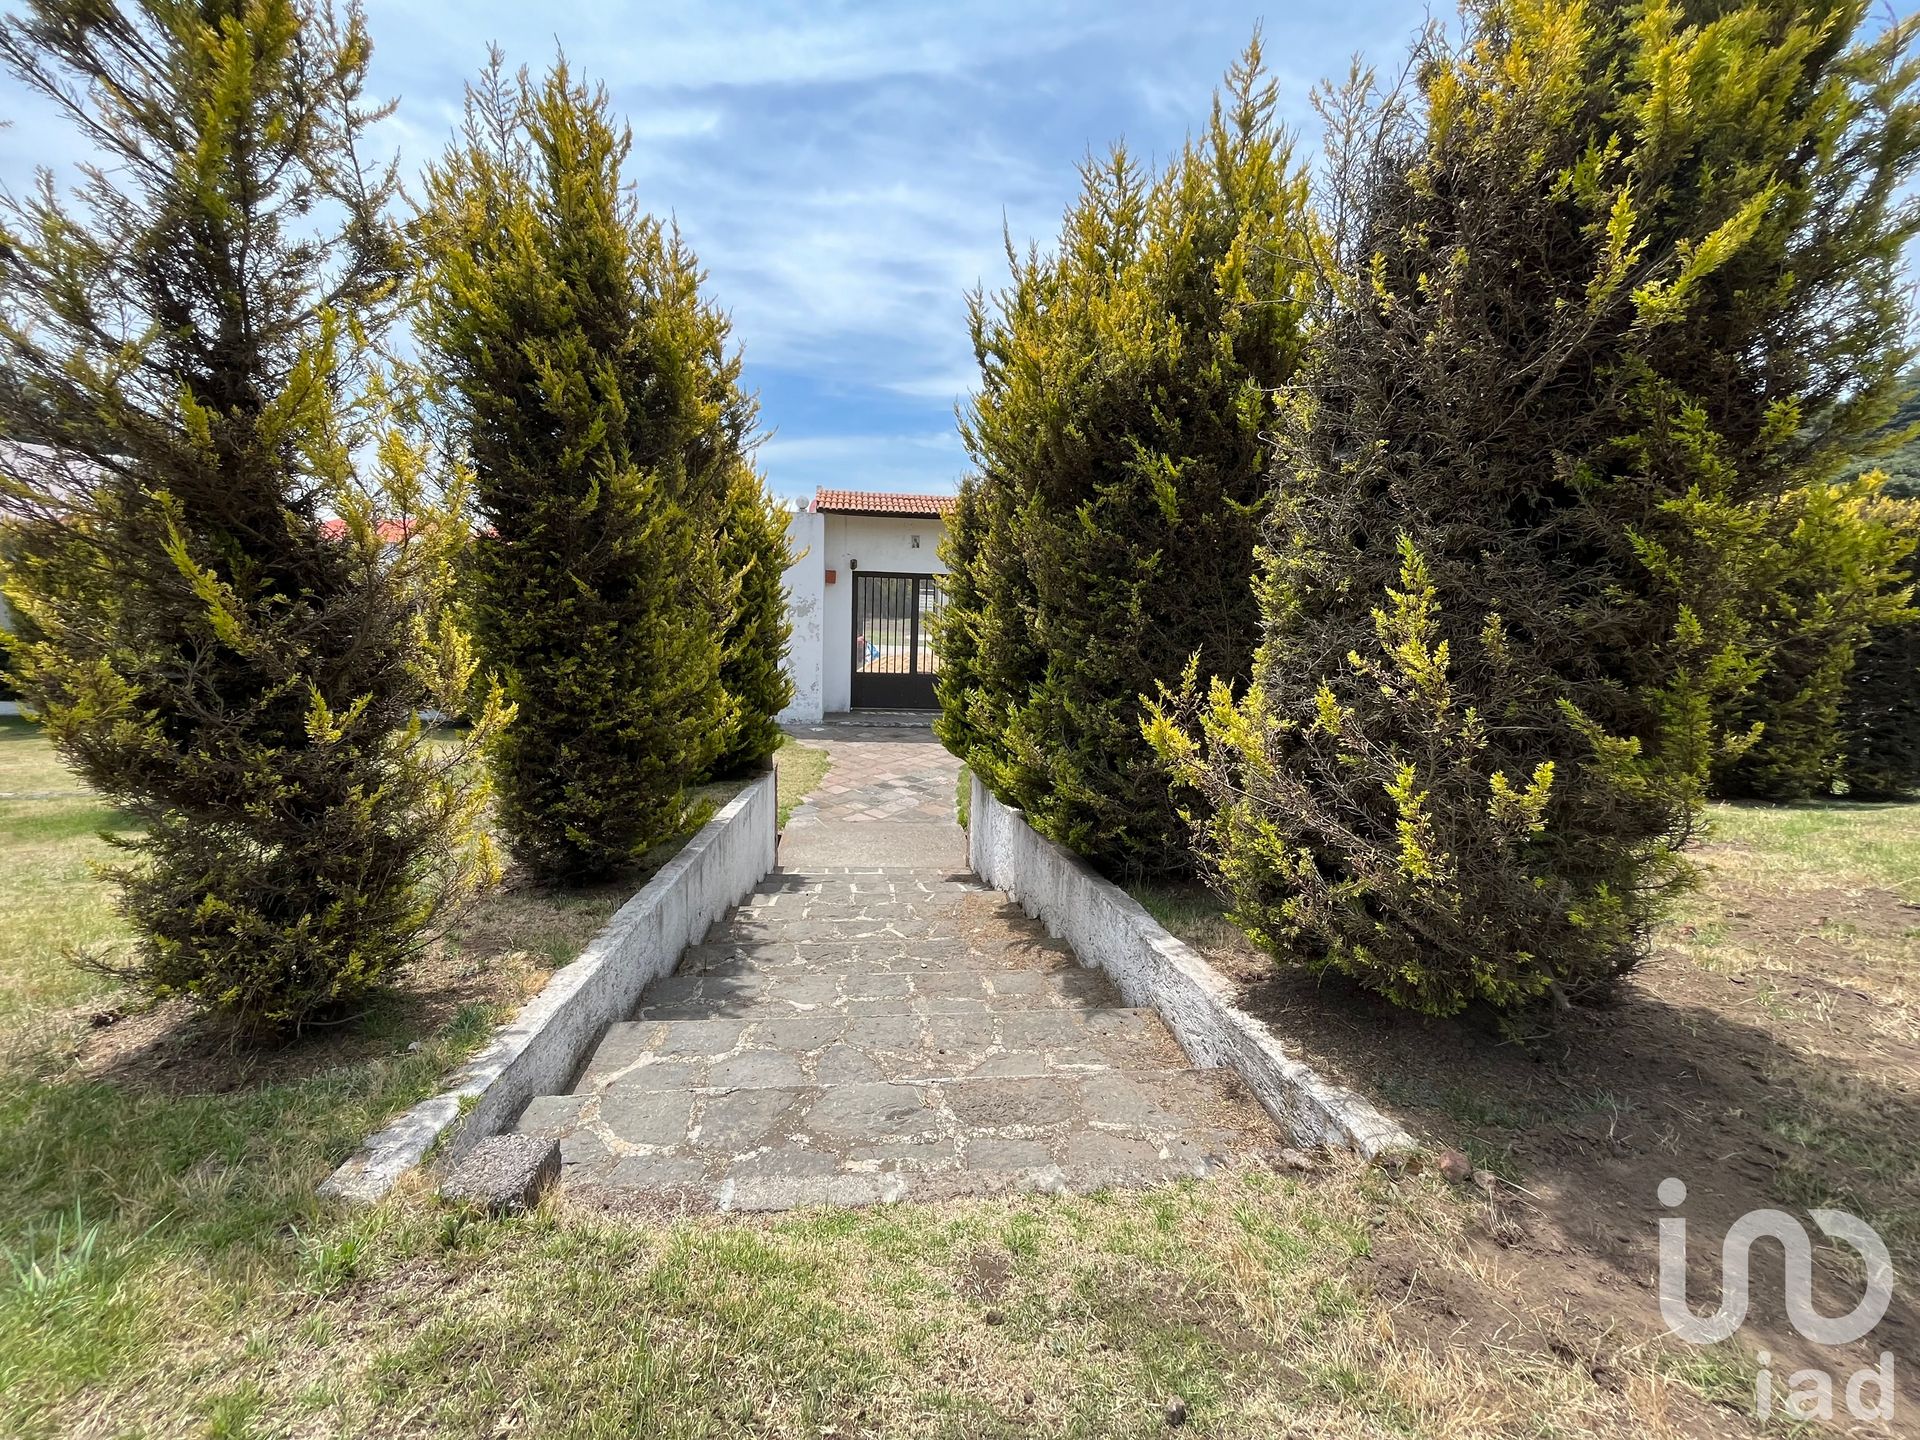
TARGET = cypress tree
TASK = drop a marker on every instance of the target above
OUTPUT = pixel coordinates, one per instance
(753, 562)
(1109, 533)
(1880, 711)
(214, 629)
(1617, 276)
(590, 384)
(958, 683)
(1828, 572)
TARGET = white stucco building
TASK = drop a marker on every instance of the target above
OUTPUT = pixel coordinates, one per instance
(865, 578)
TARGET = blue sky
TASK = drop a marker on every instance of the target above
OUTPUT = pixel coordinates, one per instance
(843, 169)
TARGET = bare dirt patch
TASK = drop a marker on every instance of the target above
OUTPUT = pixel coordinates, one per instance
(1767, 1055)
(494, 959)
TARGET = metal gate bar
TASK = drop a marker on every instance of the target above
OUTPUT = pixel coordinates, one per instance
(894, 656)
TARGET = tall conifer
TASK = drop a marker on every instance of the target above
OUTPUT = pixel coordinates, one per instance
(1618, 278)
(1109, 532)
(753, 562)
(1880, 711)
(1829, 572)
(593, 387)
(219, 633)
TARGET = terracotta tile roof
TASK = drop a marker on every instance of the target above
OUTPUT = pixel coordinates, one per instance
(388, 532)
(881, 502)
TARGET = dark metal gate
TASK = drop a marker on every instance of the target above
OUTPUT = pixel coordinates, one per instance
(894, 660)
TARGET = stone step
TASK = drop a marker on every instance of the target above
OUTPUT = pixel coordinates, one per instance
(790, 874)
(776, 1147)
(878, 930)
(755, 1052)
(782, 898)
(884, 956)
(759, 914)
(871, 991)
(857, 899)
(782, 890)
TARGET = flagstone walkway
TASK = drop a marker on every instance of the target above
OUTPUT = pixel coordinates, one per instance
(875, 1024)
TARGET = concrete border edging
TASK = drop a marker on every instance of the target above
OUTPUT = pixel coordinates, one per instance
(537, 1052)
(1109, 930)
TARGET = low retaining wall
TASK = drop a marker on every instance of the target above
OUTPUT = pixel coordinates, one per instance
(1109, 930)
(538, 1052)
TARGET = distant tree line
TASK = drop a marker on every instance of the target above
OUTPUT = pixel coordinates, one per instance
(1901, 464)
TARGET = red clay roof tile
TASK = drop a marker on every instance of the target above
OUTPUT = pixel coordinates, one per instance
(881, 502)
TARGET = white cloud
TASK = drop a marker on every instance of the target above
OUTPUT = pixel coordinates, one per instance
(922, 463)
(696, 46)
(952, 387)
(844, 169)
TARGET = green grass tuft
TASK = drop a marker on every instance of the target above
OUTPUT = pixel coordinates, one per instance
(802, 767)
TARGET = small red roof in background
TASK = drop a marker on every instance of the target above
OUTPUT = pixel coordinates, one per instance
(881, 502)
(387, 532)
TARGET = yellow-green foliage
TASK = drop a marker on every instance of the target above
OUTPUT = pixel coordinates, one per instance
(12, 543)
(753, 562)
(191, 342)
(1612, 281)
(1108, 535)
(594, 389)
(1830, 573)
(1880, 713)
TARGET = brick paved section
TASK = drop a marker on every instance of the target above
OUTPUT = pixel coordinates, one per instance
(860, 1034)
(887, 800)
(879, 773)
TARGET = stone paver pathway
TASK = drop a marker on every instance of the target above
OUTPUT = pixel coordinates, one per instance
(866, 1032)
(888, 800)
(900, 775)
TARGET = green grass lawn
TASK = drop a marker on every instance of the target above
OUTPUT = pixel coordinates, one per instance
(27, 762)
(1765, 1051)
(50, 900)
(801, 768)
(1824, 842)
(166, 1269)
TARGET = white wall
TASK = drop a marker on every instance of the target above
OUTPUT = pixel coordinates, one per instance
(538, 1051)
(820, 651)
(877, 542)
(806, 609)
(1110, 931)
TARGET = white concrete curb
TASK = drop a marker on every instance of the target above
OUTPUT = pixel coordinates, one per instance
(1109, 930)
(538, 1051)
